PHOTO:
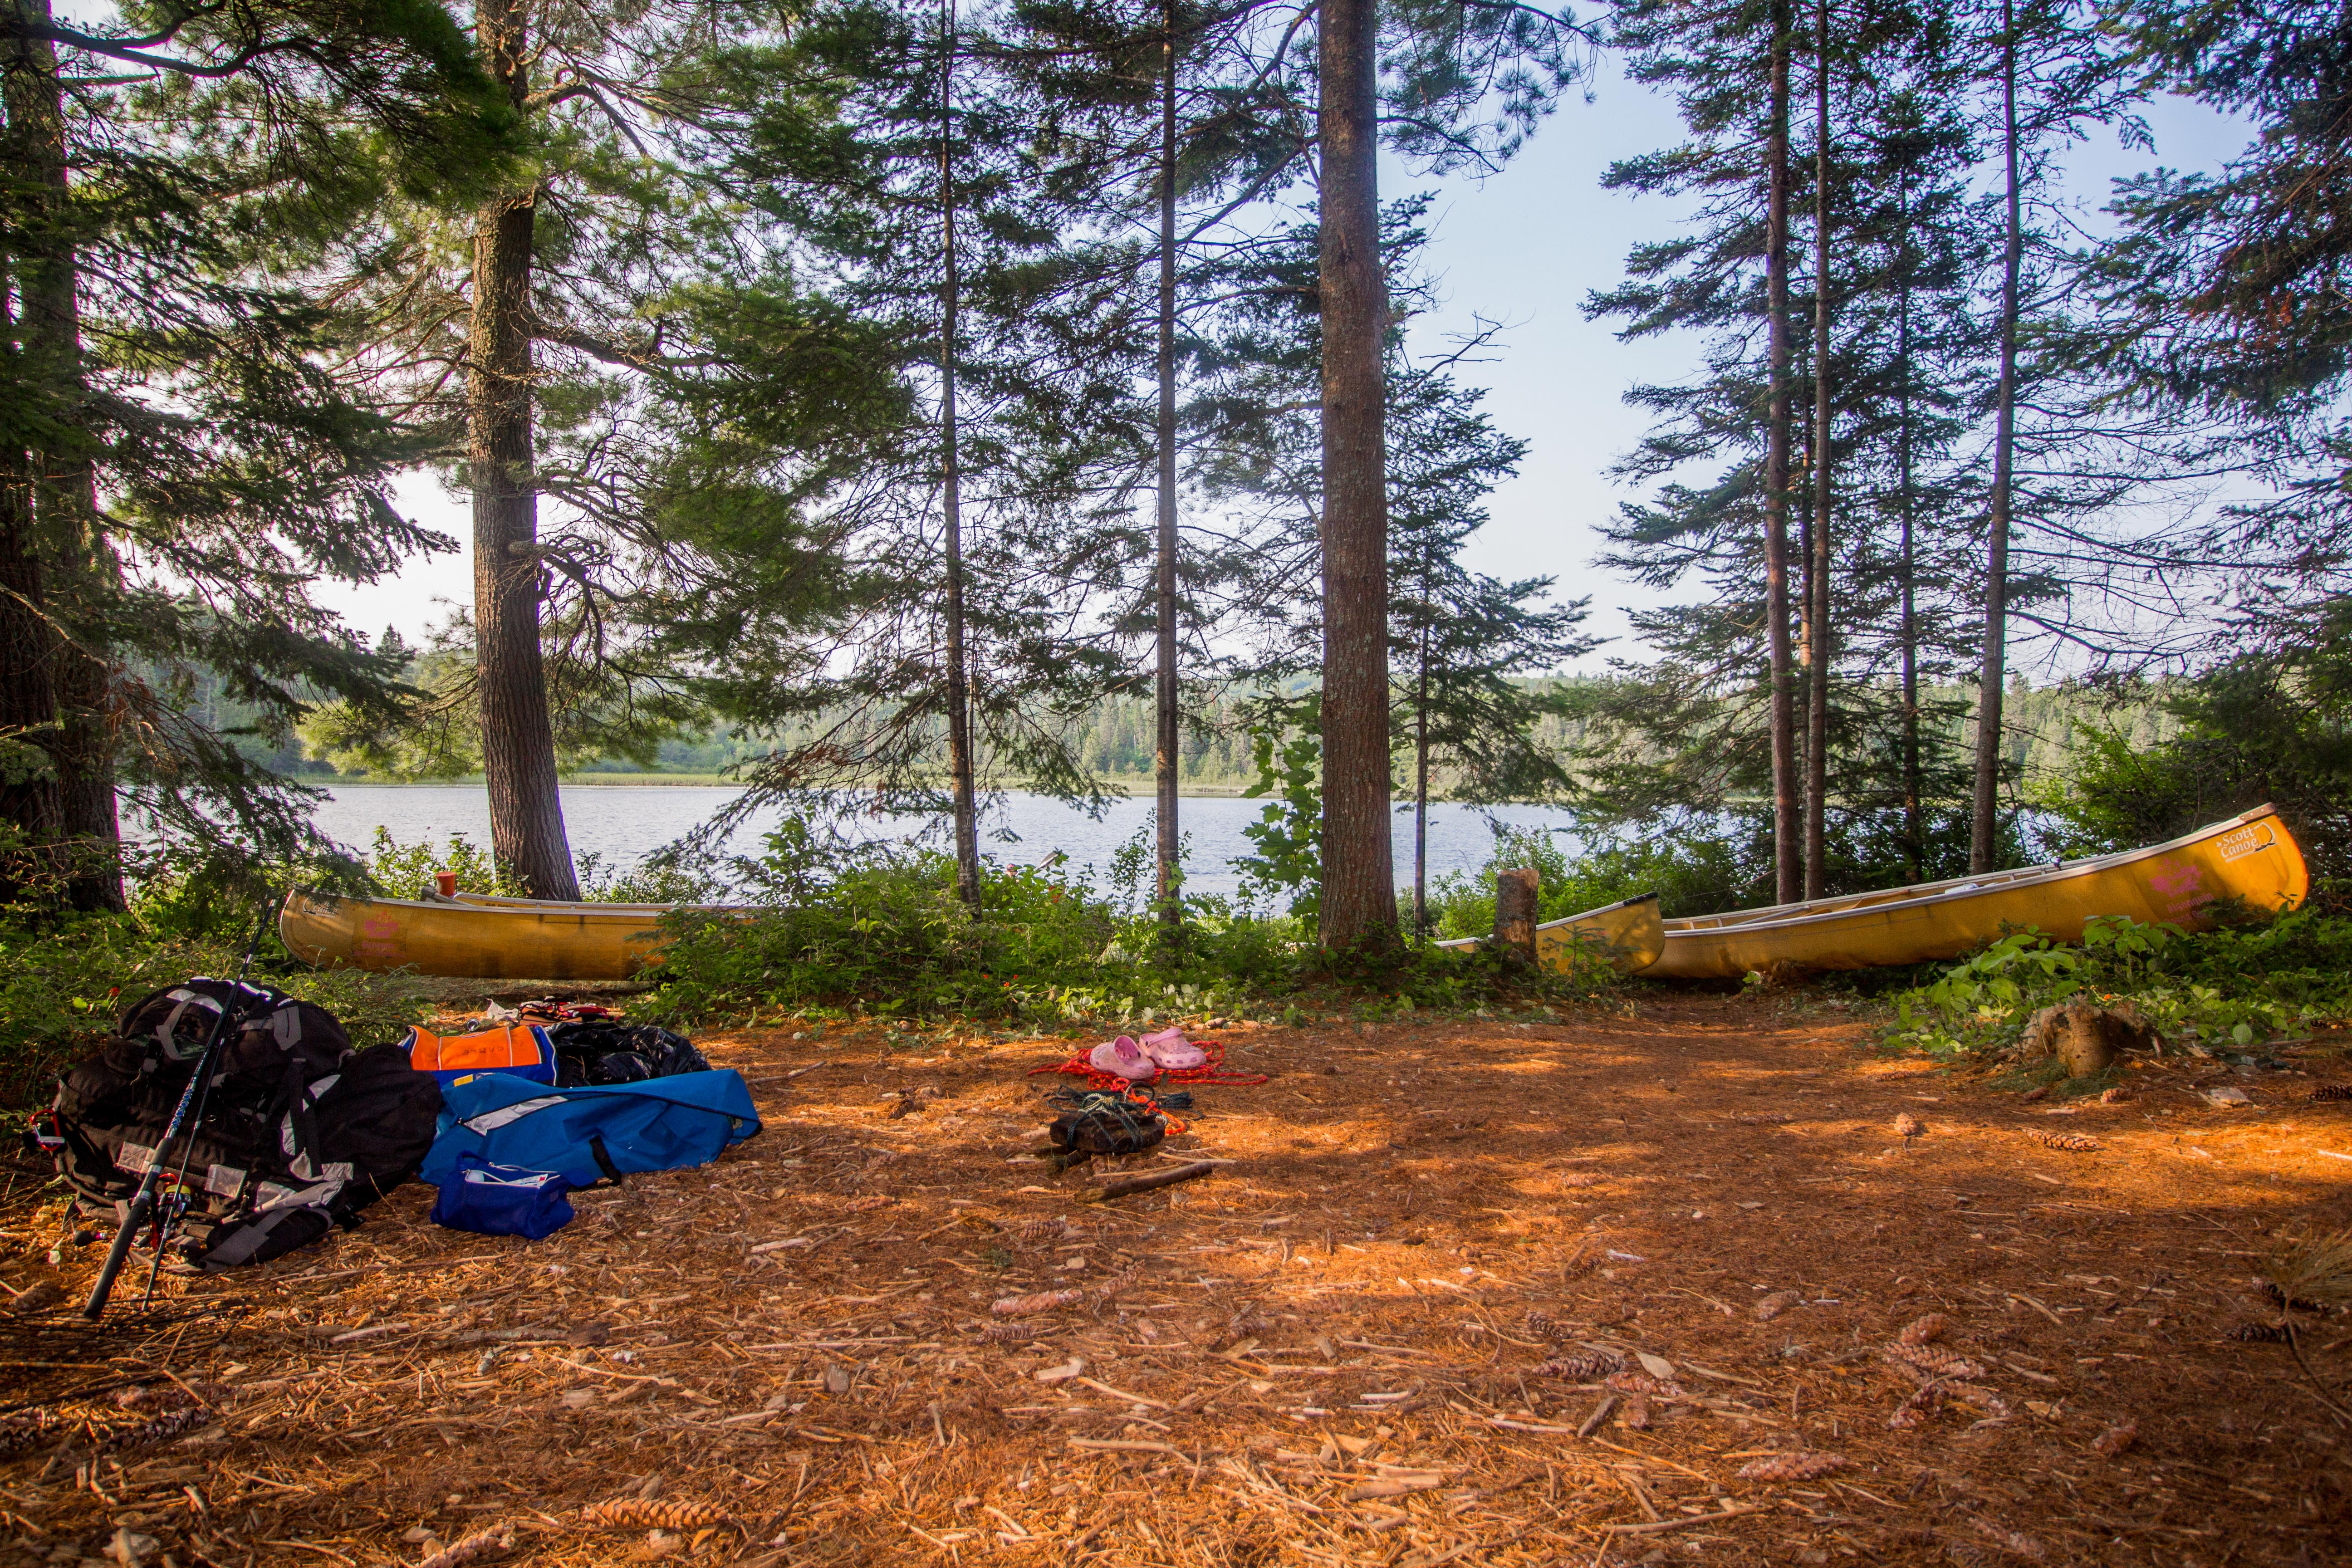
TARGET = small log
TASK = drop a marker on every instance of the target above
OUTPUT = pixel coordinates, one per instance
(1124, 1186)
(1515, 911)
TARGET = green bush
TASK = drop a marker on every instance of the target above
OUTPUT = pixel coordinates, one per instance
(887, 936)
(2236, 988)
(2269, 726)
(64, 984)
(1692, 871)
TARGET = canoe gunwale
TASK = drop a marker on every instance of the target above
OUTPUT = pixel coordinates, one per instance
(640, 914)
(1772, 917)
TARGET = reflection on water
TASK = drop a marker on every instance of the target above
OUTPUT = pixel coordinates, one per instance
(619, 824)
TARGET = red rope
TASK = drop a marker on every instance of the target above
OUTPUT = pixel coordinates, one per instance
(1212, 1073)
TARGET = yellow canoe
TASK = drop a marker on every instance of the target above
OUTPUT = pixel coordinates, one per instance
(2251, 862)
(1627, 933)
(473, 936)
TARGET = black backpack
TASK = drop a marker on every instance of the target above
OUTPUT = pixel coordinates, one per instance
(297, 1132)
(1107, 1123)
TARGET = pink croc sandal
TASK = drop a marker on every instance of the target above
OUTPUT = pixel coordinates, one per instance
(1171, 1049)
(1123, 1057)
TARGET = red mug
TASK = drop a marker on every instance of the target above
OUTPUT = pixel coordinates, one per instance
(447, 882)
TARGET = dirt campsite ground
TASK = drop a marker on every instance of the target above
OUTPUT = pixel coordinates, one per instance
(1381, 1334)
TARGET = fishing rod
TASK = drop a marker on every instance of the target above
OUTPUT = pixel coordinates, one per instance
(143, 1201)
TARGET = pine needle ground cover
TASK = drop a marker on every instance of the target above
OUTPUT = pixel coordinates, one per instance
(1776, 1330)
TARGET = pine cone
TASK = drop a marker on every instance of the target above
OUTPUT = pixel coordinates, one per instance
(1792, 1466)
(1915, 1411)
(1908, 1126)
(650, 1513)
(162, 1429)
(1924, 1330)
(2283, 1302)
(2260, 1333)
(1778, 1302)
(473, 1549)
(997, 1333)
(2327, 1092)
(1103, 1290)
(2072, 1141)
(1584, 1367)
(2113, 1096)
(1039, 1229)
(1940, 1363)
(1542, 1324)
(1984, 1399)
(1042, 1301)
(2116, 1438)
(1643, 1383)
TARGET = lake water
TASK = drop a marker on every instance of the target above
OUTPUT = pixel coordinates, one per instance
(621, 823)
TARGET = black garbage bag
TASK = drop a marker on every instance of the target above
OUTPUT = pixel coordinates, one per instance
(603, 1050)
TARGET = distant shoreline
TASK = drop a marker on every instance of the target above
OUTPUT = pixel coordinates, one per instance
(714, 781)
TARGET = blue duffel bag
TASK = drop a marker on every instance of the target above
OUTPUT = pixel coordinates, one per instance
(593, 1131)
(503, 1200)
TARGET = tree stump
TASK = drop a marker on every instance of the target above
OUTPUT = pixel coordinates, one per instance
(1515, 912)
(2087, 1038)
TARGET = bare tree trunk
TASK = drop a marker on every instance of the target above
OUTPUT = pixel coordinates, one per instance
(1167, 753)
(65, 553)
(29, 704)
(966, 808)
(1983, 846)
(1915, 849)
(518, 739)
(1787, 832)
(1819, 643)
(1420, 776)
(1359, 894)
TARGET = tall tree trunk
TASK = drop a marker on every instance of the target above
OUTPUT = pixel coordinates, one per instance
(1983, 846)
(67, 557)
(1787, 863)
(1359, 895)
(965, 806)
(518, 739)
(1421, 768)
(29, 706)
(1166, 751)
(1915, 848)
(1819, 641)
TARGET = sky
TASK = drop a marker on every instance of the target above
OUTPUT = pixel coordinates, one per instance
(1525, 247)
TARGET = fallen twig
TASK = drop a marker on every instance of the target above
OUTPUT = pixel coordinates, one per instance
(1124, 1186)
(1653, 1528)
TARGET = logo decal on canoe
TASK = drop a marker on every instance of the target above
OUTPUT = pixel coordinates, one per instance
(2180, 884)
(2240, 842)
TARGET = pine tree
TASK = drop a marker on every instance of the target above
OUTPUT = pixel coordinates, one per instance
(186, 462)
(1700, 726)
(1158, 115)
(1465, 87)
(2225, 288)
(852, 670)
(1462, 642)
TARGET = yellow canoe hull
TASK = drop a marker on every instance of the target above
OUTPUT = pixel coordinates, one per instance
(1628, 934)
(2251, 863)
(474, 937)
